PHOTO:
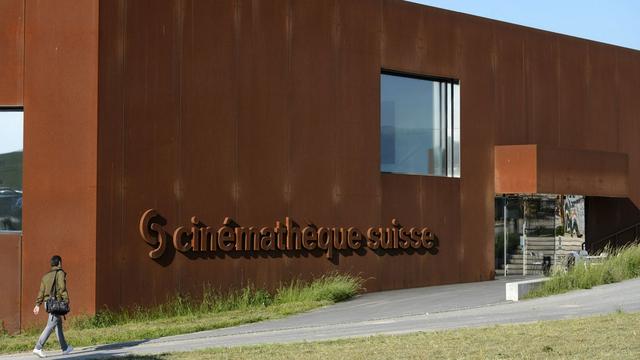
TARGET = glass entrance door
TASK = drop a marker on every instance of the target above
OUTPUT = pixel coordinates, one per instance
(535, 232)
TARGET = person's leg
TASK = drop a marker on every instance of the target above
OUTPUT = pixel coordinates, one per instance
(51, 323)
(60, 333)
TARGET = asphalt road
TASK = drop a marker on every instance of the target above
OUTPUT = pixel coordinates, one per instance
(394, 312)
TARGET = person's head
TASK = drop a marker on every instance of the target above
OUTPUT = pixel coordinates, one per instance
(56, 260)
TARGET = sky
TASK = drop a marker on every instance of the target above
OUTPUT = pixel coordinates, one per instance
(614, 21)
(10, 131)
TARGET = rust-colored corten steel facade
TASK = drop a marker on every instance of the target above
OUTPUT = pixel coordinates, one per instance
(12, 55)
(53, 50)
(259, 110)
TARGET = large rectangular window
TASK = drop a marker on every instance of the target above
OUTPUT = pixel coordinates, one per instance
(11, 145)
(420, 125)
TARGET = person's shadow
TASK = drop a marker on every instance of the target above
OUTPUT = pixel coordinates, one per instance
(109, 351)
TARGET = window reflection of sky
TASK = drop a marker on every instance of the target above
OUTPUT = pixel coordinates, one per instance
(409, 128)
(11, 131)
(11, 140)
(416, 126)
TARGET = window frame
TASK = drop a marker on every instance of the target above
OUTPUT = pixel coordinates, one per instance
(21, 110)
(450, 120)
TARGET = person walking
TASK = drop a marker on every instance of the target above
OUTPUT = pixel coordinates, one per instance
(58, 276)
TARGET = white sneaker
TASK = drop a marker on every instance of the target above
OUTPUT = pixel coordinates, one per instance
(39, 353)
(68, 351)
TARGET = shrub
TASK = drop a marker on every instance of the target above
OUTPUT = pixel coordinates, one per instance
(621, 264)
(325, 289)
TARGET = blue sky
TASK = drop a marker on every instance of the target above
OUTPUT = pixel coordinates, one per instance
(10, 131)
(614, 22)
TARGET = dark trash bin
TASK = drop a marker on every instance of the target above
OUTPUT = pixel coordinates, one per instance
(546, 265)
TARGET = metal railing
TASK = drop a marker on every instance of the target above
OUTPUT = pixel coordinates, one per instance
(616, 237)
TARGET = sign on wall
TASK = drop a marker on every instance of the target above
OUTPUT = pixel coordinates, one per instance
(284, 236)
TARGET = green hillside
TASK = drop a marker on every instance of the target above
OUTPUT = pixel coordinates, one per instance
(11, 170)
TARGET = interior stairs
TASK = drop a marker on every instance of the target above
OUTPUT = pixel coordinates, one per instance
(537, 247)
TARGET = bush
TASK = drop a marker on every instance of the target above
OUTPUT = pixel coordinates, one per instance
(326, 289)
(331, 288)
(621, 264)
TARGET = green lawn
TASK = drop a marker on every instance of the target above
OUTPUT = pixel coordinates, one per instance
(615, 336)
(183, 315)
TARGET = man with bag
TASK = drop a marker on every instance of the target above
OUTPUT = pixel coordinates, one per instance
(53, 292)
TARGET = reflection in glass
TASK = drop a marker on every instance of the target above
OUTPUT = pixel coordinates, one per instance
(420, 126)
(537, 230)
(11, 146)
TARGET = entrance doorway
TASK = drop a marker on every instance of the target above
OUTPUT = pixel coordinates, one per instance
(535, 232)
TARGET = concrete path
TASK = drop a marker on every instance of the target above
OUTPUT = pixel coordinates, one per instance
(395, 312)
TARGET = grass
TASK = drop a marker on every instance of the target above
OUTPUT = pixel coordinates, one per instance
(614, 336)
(185, 315)
(621, 265)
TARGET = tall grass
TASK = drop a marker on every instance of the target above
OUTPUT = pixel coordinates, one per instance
(323, 290)
(184, 314)
(621, 264)
(332, 288)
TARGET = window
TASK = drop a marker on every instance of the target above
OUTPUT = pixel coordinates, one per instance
(420, 125)
(11, 130)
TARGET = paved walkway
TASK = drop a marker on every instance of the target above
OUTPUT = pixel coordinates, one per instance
(395, 312)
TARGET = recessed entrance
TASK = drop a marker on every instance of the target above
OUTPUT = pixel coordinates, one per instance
(534, 233)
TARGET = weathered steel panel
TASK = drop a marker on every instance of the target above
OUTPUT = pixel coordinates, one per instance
(545, 169)
(541, 87)
(516, 169)
(511, 120)
(10, 268)
(110, 190)
(60, 148)
(312, 77)
(258, 110)
(573, 92)
(263, 126)
(585, 172)
(414, 201)
(12, 58)
(603, 119)
(401, 42)
(477, 91)
(628, 82)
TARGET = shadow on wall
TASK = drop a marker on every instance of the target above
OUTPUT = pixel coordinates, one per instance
(610, 221)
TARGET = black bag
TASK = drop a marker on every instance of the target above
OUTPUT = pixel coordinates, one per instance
(53, 305)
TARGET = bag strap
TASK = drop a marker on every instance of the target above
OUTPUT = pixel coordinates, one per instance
(52, 293)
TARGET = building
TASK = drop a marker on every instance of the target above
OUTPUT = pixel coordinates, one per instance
(247, 113)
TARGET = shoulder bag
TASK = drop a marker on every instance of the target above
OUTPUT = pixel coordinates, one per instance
(53, 305)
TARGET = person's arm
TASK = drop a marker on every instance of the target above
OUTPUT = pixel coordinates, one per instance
(62, 285)
(40, 297)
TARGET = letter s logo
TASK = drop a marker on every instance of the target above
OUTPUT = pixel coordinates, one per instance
(146, 226)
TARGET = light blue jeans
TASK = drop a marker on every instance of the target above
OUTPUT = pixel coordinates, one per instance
(54, 322)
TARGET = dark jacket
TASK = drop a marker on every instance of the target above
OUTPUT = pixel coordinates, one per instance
(47, 282)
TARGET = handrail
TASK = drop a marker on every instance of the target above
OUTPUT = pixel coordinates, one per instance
(615, 234)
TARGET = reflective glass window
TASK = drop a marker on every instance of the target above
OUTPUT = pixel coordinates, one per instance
(11, 146)
(420, 126)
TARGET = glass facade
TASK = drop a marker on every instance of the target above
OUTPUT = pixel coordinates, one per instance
(11, 146)
(534, 231)
(420, 126)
